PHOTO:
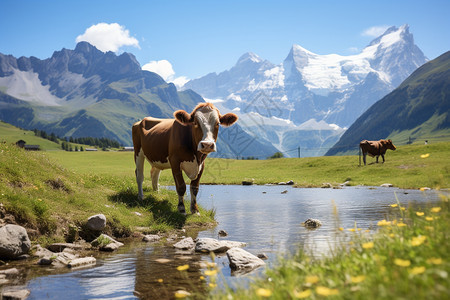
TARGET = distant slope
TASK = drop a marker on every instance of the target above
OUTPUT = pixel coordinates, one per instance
(11, 134)
(417, 110)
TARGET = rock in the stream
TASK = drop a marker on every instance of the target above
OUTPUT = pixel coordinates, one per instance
(242, 260)
(387, 185)
(15, 294)
(97, 222)
(14, 241)
(222, 233)
(150, 238)
(312, 223)
(59, 247)
(82, 261)
(106, 243)
(212, 245)
(41, 252)
(262, 256)
(185, 244)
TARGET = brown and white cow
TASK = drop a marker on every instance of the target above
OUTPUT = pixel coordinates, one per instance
(180, 144)
(375, 148)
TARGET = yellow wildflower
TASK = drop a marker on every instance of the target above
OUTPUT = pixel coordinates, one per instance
(182, 294)
(434, 261)
(202, 277)
(416, 270)
(210, 272)
(394, 205)
(429, 218)
(212, 285)
(436, 209)
(401, 224)
(357, 279)
(425, 155)
(391, 235)
(419, 213)
(312, 279)
(183, 268)
(341, 228)
(351, 229)
(402, 208)
(384, 223)
(211, 265)
(160, 280)
(402, 262)
(263, 292)
(324, 291)
(417, 241)
(303, 294)
(368, 245)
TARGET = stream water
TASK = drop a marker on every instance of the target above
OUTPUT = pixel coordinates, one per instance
(266, 217)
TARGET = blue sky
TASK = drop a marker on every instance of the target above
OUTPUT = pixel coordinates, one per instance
(193, 38)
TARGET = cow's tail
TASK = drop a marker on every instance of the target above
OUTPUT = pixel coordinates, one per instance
(136, 135)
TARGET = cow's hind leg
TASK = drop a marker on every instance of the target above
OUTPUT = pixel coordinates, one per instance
(155, 177)
(364, 157)
(382, 156)
(139, 160)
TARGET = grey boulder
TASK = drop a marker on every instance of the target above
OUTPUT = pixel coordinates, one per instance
(14, 241)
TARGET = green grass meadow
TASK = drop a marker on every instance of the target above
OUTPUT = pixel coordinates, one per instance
(404, 168)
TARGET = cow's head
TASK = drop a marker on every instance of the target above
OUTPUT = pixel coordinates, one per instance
(205, 120)
(388, 144)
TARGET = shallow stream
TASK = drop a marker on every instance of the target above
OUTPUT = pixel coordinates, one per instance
(267, 218)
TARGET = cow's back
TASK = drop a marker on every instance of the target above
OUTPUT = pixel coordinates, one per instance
(152, 136)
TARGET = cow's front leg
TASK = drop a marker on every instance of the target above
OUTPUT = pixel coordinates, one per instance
(194, 191)
(181, 188)
(364, 158)
(377, 158)
(382, 156)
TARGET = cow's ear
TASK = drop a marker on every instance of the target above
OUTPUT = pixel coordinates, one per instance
(182, 117)
(228, 119)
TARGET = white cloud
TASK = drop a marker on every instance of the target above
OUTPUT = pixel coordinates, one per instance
(375, 31)
(161, 67)
(180, 81)
(108, 37)
(164, 69)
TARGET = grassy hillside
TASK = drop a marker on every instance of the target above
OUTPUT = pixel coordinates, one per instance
(11, 134)
(42, 195)
(404, 168)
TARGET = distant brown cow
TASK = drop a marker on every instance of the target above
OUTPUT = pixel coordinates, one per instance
(375, 148)
(180, 144)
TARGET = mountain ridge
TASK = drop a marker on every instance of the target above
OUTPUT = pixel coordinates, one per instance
(85, 92)
(417, 110)
(332, 88)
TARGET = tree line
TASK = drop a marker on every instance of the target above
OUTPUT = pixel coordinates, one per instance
(91, 141)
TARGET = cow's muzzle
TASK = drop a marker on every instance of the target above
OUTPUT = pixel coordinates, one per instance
(207, 147)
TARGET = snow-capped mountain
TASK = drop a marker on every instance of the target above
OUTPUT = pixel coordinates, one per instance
(309, 87)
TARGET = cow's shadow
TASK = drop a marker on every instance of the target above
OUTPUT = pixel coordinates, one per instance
(163, 211)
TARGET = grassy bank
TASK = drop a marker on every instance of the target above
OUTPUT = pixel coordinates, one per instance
(407, 258)
(404, 168)
(40, 194)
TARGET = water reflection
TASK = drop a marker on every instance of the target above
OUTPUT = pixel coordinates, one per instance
(262, 216)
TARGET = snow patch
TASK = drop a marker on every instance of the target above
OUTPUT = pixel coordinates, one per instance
(28, 87)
